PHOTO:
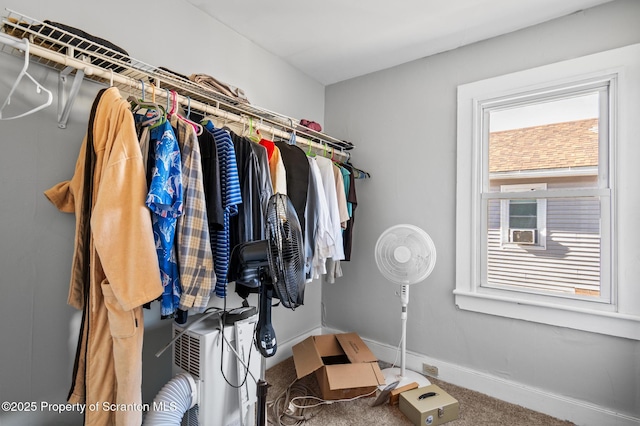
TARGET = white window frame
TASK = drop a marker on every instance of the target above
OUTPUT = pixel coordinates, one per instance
(617, 313)
(541, 216)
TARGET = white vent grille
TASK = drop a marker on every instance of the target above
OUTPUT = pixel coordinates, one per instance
(186, 353)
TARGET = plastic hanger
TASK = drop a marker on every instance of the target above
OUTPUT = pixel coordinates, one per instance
(292, 138)
(24, 46)
(188, 116)
(160, 108)
(144, 92)
(310, 153)
(170, 110)
(254, 134)
(155, 114)
(174, 109)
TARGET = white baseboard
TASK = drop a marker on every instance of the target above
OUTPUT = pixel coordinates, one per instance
(579, 412)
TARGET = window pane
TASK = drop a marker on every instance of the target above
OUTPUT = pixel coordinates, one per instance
(523, 214)
(569, 265)
(523, 208)
(522, 222)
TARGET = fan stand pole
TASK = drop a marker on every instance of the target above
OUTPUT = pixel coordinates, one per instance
(261, 413)
(402, 375)
(403, 353)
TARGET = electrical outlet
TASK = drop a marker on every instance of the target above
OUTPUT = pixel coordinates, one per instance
(430, 370)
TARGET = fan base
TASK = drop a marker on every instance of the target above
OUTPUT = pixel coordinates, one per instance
(393, 375)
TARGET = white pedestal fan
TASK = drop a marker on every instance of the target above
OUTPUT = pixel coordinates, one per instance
(405, 255)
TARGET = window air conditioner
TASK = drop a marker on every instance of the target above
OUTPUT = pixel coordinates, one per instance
(523, 236)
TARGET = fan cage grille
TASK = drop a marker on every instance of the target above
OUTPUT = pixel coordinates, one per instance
(286, 252)
(405, 254)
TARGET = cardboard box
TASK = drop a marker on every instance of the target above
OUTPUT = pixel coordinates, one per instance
(434, 410)
(344, 366)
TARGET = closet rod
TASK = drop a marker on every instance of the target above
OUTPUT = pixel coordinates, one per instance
(57, 48)
(126, 83)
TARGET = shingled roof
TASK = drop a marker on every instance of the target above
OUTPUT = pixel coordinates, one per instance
(554, 146)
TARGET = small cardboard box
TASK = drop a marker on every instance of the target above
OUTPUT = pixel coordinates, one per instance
(394, 398)
(345, 367)
(434, 410)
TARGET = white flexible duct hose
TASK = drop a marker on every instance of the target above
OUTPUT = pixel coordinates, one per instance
(172, 401)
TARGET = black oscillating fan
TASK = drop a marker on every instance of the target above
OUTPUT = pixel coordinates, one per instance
(274, 265)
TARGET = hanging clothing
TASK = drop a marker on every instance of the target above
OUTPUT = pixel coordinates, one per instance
(197, 275)
(211, 180)
(164, 199)
(334, 269)
(297, 168)
(341, 196)
(269, 145)
(311, 223)
(278, 172)
(231, 199)
(329, 183)
(255, 184)
(352, 203)
(276, 167)
(115, 268)
(319, 240)
(346, 177)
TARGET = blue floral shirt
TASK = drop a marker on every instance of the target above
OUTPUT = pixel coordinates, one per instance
(165, 201)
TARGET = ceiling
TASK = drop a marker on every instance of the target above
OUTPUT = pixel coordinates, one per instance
(334, 40)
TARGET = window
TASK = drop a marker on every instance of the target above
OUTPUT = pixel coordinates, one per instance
(523, 221)
(541, 184)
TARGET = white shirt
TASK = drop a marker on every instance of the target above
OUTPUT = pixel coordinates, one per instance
(328, 181)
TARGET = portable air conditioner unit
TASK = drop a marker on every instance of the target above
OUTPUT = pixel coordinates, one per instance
(203, 352)
(523, 236)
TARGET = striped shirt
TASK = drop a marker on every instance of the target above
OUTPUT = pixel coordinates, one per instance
(197, 275)
(231, 198)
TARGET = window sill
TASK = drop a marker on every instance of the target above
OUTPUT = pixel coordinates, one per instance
(592, 320)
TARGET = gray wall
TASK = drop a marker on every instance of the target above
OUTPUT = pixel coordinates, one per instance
(39, 330)
(404, 122)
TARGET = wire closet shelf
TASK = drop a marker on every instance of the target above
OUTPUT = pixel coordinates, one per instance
(61, 50)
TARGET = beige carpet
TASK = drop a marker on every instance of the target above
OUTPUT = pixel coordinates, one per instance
(476, 408)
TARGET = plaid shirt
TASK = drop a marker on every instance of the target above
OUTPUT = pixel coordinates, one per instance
(195, 259)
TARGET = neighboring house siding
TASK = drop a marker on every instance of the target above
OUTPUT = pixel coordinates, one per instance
(570, 261)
